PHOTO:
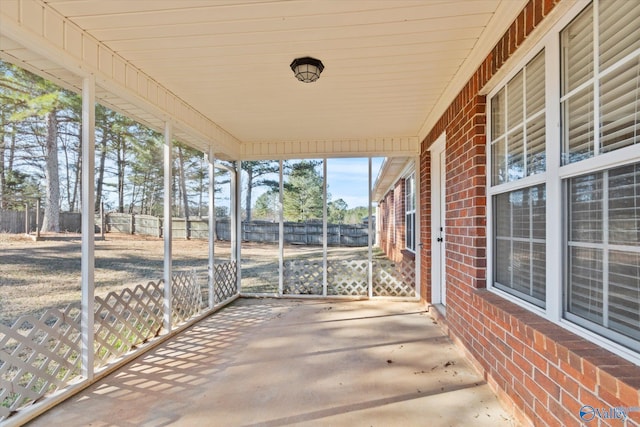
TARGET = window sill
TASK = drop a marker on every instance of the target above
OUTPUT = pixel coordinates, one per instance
(408, 254)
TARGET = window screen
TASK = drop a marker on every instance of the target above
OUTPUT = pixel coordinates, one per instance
(520, 249)
(604, 249)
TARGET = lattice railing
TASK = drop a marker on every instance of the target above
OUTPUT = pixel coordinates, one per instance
(396, 279)
(302, 277)
(348, 277)
(225, 283)
(127, 319)
(187, 297)
(38, 356)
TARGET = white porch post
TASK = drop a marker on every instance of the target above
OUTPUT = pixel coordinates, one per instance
(281, 230)
(168, 227)
(212, 225)
(87, 262)
(417, 229)
(324, 227)
(369, 237)
(236, 220)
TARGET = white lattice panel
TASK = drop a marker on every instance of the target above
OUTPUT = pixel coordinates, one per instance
(348, 277)
(187, 297)
(394, 279)
(224, 285)
(302, 277)
(38, 356)
(126, 319)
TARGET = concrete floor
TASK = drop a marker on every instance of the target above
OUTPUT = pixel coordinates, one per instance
(267, 362)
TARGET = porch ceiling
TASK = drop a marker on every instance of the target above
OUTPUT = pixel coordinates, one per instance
(392, 66)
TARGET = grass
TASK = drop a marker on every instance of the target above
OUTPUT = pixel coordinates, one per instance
(36, 276)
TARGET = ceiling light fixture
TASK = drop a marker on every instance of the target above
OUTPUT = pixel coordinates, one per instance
(307, 69)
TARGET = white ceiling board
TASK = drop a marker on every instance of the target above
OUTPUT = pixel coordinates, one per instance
(388, 62)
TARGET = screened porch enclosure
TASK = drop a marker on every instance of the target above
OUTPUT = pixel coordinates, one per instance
(299, 237)
(46, 356)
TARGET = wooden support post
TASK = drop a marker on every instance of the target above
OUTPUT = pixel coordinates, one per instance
(26, 218)
(103, 222)
(37, 219)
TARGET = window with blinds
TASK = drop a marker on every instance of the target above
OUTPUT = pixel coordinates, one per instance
(410, 212)
(600, 90)
(518, 125)
(604, 249)
(518, 144)
(600, 107)
(519, 245)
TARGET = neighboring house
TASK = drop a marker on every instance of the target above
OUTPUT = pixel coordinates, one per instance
(531, 179)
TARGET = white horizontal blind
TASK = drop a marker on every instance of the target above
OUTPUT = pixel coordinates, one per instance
(585, 211)
(601, 114)
(498, 138)
(619, 37)
(519, 245)
(604, 249)
(518, 151)
(618, 30)
(410, 212)
(624, 256)
(577, 88)
(518, 125)
(613, 77)
(535, 113)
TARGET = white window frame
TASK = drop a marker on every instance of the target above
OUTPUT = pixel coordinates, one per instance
(554, 178)
(410, 213)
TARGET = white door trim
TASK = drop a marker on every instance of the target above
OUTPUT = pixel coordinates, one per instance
(438, 189)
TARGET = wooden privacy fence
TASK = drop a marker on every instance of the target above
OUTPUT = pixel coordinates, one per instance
(302, 233)
(19, 222)
(309, 233)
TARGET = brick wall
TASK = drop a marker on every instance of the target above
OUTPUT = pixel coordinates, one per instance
(542, 371)
(391, 211)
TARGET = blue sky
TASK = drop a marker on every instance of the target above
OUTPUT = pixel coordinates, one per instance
(348, 179)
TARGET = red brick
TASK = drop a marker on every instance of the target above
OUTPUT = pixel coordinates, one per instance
(547, 6)
(547, 384)
(523, 392)
(529, 25)
(565, 382)
(571, 403)
(628, 394)
(520, 29)
(565, 415)
(538, 12)
(607, 383)
(536, 390)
